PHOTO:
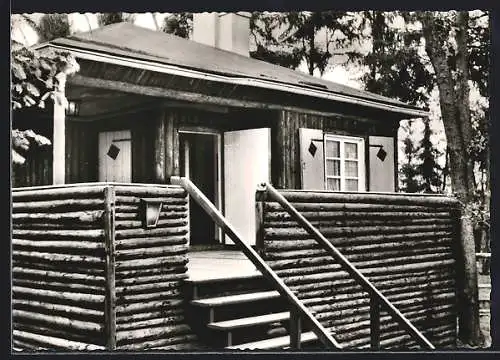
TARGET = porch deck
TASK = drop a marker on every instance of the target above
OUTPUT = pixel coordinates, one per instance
(219, 264)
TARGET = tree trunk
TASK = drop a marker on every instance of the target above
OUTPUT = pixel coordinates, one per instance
(454, 103)
(312, 48)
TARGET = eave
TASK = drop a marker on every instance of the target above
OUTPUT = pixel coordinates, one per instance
(237, 81)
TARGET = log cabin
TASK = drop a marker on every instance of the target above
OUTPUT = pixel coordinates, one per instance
(147, 107)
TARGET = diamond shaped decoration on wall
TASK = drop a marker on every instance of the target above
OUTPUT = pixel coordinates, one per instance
(113, 151)
(381, 154)
(312, 149)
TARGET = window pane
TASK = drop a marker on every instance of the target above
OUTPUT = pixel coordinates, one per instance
(333, 184)
(332, 148)
(333, 167)
(351, 168)
(351, 151)
(351, 185)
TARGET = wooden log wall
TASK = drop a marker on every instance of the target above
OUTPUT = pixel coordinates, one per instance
(88, 275)
(149, 270)
(404, 244)
(58, 268)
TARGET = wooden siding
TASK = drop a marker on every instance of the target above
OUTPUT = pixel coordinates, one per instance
(405, 245)
(155, 139)
(81, 152)
(82, 146)
(285, 140)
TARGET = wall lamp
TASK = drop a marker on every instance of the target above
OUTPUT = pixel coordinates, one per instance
(150, 212)
(73, 108)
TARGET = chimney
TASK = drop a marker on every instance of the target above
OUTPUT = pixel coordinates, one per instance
(227, 31)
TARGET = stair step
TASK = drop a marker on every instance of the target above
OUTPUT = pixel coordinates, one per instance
(250, 321)
(223, 278)
(274, 343)
(235, 299)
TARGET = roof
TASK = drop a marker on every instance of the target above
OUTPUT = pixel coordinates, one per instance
(126, 40)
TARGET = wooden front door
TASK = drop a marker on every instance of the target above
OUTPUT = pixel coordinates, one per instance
(115, 156)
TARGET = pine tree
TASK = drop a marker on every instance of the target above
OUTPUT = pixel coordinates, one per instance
(409, 181)
(428, 168)
(394, 66)
(289, 38)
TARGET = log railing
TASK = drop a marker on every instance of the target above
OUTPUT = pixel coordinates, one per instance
(377, 299)
(298, 310)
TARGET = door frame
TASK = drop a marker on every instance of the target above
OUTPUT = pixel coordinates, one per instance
(219, 236)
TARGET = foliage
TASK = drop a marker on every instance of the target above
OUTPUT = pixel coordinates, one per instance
(179, 24)
(289, 38)
(419, 170)
(263, 27)
(480, 153)
(478, 46)
(34, 76)
(35, 79)
(409, 181)
(53, 26)
(428, 168)
(395, 68)
(104, 19)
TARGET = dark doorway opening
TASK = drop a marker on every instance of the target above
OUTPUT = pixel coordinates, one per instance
(198, 156)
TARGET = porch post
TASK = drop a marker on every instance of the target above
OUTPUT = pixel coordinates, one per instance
(59, 136)
(160, 155)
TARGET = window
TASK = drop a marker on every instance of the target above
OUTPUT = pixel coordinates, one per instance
(344, 163)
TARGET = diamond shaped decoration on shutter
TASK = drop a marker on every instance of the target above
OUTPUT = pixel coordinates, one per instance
(312, 149)
(113, 151)
(381, 154)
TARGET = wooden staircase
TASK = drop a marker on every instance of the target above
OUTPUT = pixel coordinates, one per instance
(240, 313)
(251, 313)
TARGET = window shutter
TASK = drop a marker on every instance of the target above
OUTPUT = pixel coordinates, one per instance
(382, 176)
(312, 166)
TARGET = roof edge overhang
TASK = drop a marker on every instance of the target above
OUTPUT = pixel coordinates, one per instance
(235, 80)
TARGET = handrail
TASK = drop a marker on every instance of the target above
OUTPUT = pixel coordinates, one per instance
(298, 308)
(377, 299)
